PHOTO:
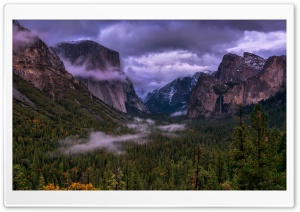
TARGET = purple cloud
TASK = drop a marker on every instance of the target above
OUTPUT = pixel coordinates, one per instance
(109, 74)
(155, 52)
(22, 38)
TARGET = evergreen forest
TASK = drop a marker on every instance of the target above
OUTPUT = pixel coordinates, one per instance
(246, 151)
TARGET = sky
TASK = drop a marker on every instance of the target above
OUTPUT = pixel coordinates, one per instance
(155, 52)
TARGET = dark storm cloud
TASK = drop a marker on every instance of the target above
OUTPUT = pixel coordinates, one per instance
(146, 37)
(255, 25)
(154, 52)
(140, 37)
(199, 36)
(54, 31)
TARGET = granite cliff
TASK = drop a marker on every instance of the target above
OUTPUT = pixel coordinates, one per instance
(238, 81)
(98, 68)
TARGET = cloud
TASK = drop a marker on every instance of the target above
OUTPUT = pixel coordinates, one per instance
(257, 25)
(132, 38)
(113, 143)
(55, 31)
(98, 140)
(153, 71)
(179, 113)
(155, 52)
(160, 32)
(255, 42)
(140, 37)
(110, 74)
(142, 126)
(172, 127)
(22, 38)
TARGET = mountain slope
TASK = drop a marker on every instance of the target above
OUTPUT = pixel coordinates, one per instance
(238, 81)
(43, 89)
(173, 97)
(98, 68)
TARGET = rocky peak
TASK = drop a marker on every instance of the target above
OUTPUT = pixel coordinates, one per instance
(235, 68)
(254, 61)
(89, 53)
(218, 94)
(36, 63)
(19, 26)
(230, 68)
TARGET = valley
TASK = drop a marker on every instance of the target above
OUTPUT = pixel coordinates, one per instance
(79, 124)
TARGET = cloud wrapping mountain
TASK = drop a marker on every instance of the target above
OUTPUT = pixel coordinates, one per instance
(153, 51)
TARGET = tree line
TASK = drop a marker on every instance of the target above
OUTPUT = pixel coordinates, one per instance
(241, 153)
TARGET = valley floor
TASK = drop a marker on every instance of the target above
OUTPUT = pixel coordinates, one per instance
(152, 154)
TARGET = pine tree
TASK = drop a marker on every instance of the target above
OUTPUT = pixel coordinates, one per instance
(259, 121)
(19, 179)
(254, 155)
(110, 182)
(41, 182)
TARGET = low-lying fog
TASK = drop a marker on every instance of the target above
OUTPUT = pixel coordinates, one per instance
(96, 140)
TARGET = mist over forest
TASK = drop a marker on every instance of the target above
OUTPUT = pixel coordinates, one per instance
(149, 105)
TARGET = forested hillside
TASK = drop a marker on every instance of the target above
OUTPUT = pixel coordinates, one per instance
(67, 138)
(209, 154)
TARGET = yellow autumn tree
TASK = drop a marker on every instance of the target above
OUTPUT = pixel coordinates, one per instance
(51, 186)
(80, 186)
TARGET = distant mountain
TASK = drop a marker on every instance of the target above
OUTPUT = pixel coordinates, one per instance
(98, 68)
(173, 98)
(45, 92)
(239, 81)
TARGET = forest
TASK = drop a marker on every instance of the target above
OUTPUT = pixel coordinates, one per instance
(242, 152)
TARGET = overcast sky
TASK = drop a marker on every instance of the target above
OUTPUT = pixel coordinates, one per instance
(153, 53)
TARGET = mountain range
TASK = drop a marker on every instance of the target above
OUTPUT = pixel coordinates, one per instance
(72, 71)
(78, 123)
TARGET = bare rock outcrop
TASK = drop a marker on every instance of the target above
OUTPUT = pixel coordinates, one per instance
(238, 81)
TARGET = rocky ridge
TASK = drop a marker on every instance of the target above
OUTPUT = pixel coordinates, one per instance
(39, 68)
(238, 81)
(33, 61)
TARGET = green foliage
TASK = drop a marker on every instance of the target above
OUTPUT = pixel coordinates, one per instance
(211, 154)
(20, 181)
(256, 158)
(275, 109)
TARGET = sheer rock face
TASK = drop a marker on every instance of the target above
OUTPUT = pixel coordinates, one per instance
(203, 97)
(35, 62)
(111, 93)
(114, 93)
(256, 79)
(268, 82)
(101, 73)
